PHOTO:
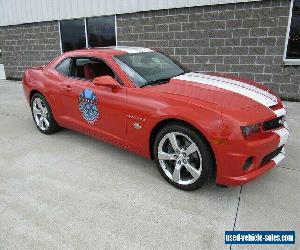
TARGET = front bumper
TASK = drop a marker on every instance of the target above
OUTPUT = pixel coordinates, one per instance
(267, 151)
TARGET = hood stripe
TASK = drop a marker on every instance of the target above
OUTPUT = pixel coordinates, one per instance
(250, 91)
(240, 84)
(280, 112)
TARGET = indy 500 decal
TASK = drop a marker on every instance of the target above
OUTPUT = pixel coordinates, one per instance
(88, 106)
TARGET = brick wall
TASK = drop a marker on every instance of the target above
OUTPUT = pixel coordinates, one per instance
(246, 39)
(28, 45)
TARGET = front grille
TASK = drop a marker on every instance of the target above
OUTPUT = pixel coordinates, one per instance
(272, 155)
(273, 124)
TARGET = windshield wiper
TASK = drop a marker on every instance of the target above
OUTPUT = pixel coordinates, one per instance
(156, 81)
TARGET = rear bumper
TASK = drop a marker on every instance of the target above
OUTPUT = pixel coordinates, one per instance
(267, 152)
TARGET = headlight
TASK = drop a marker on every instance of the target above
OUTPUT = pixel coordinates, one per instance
(251, 129)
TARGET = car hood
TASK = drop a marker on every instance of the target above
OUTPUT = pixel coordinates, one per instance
(225, 91)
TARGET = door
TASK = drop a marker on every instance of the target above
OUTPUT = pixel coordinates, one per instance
(96, 110)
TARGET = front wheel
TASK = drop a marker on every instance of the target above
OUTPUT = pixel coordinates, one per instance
(42, 115)
(183, 157)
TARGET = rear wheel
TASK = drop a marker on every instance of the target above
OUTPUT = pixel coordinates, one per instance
(42, 115)
(183, 157)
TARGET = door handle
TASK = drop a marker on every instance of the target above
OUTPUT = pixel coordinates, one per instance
(67, 87)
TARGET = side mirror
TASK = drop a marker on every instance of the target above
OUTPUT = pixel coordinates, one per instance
(106, 81)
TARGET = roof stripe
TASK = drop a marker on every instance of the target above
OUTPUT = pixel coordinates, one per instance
(131, 50)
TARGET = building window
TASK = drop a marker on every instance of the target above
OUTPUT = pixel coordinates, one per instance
(72, 34)
(292, 55)
(101, 31)
(91, 32)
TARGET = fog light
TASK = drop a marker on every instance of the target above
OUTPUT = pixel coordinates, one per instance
(248, 163)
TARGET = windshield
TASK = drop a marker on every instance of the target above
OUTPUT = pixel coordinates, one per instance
(147, 68)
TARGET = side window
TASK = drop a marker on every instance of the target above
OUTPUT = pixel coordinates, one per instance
(89, 68)
(64, 67)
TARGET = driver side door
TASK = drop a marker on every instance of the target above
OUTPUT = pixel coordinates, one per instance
(95, 110)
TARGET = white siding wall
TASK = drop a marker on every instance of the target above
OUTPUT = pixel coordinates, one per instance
(27, 11)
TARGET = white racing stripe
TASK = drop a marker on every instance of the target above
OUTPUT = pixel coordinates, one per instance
(283, 134)
(286, 125)
(132, 50)
(278, 158)
(250, 91)
(280, 112)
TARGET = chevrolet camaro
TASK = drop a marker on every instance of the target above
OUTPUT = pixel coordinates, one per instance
(193, 125)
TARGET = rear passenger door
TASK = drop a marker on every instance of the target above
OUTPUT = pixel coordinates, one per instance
(93, 109)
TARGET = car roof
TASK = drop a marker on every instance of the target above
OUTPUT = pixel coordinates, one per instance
(111, 51)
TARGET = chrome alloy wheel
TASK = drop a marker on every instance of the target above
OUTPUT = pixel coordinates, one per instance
(40, 114)
(180, 158)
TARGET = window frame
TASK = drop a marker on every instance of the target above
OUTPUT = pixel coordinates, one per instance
(85, 30)
(285, 60)
(72, 58)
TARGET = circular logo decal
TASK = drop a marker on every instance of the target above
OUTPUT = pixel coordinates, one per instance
(88, 105)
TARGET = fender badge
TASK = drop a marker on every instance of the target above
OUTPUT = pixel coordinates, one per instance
(137, 125)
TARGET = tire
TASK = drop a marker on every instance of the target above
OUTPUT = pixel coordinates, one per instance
(187, 162)
(42, 115)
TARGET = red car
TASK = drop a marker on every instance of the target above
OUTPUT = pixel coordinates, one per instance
(193, 125)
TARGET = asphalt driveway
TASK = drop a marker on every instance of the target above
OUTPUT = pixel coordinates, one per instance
(70, 191)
